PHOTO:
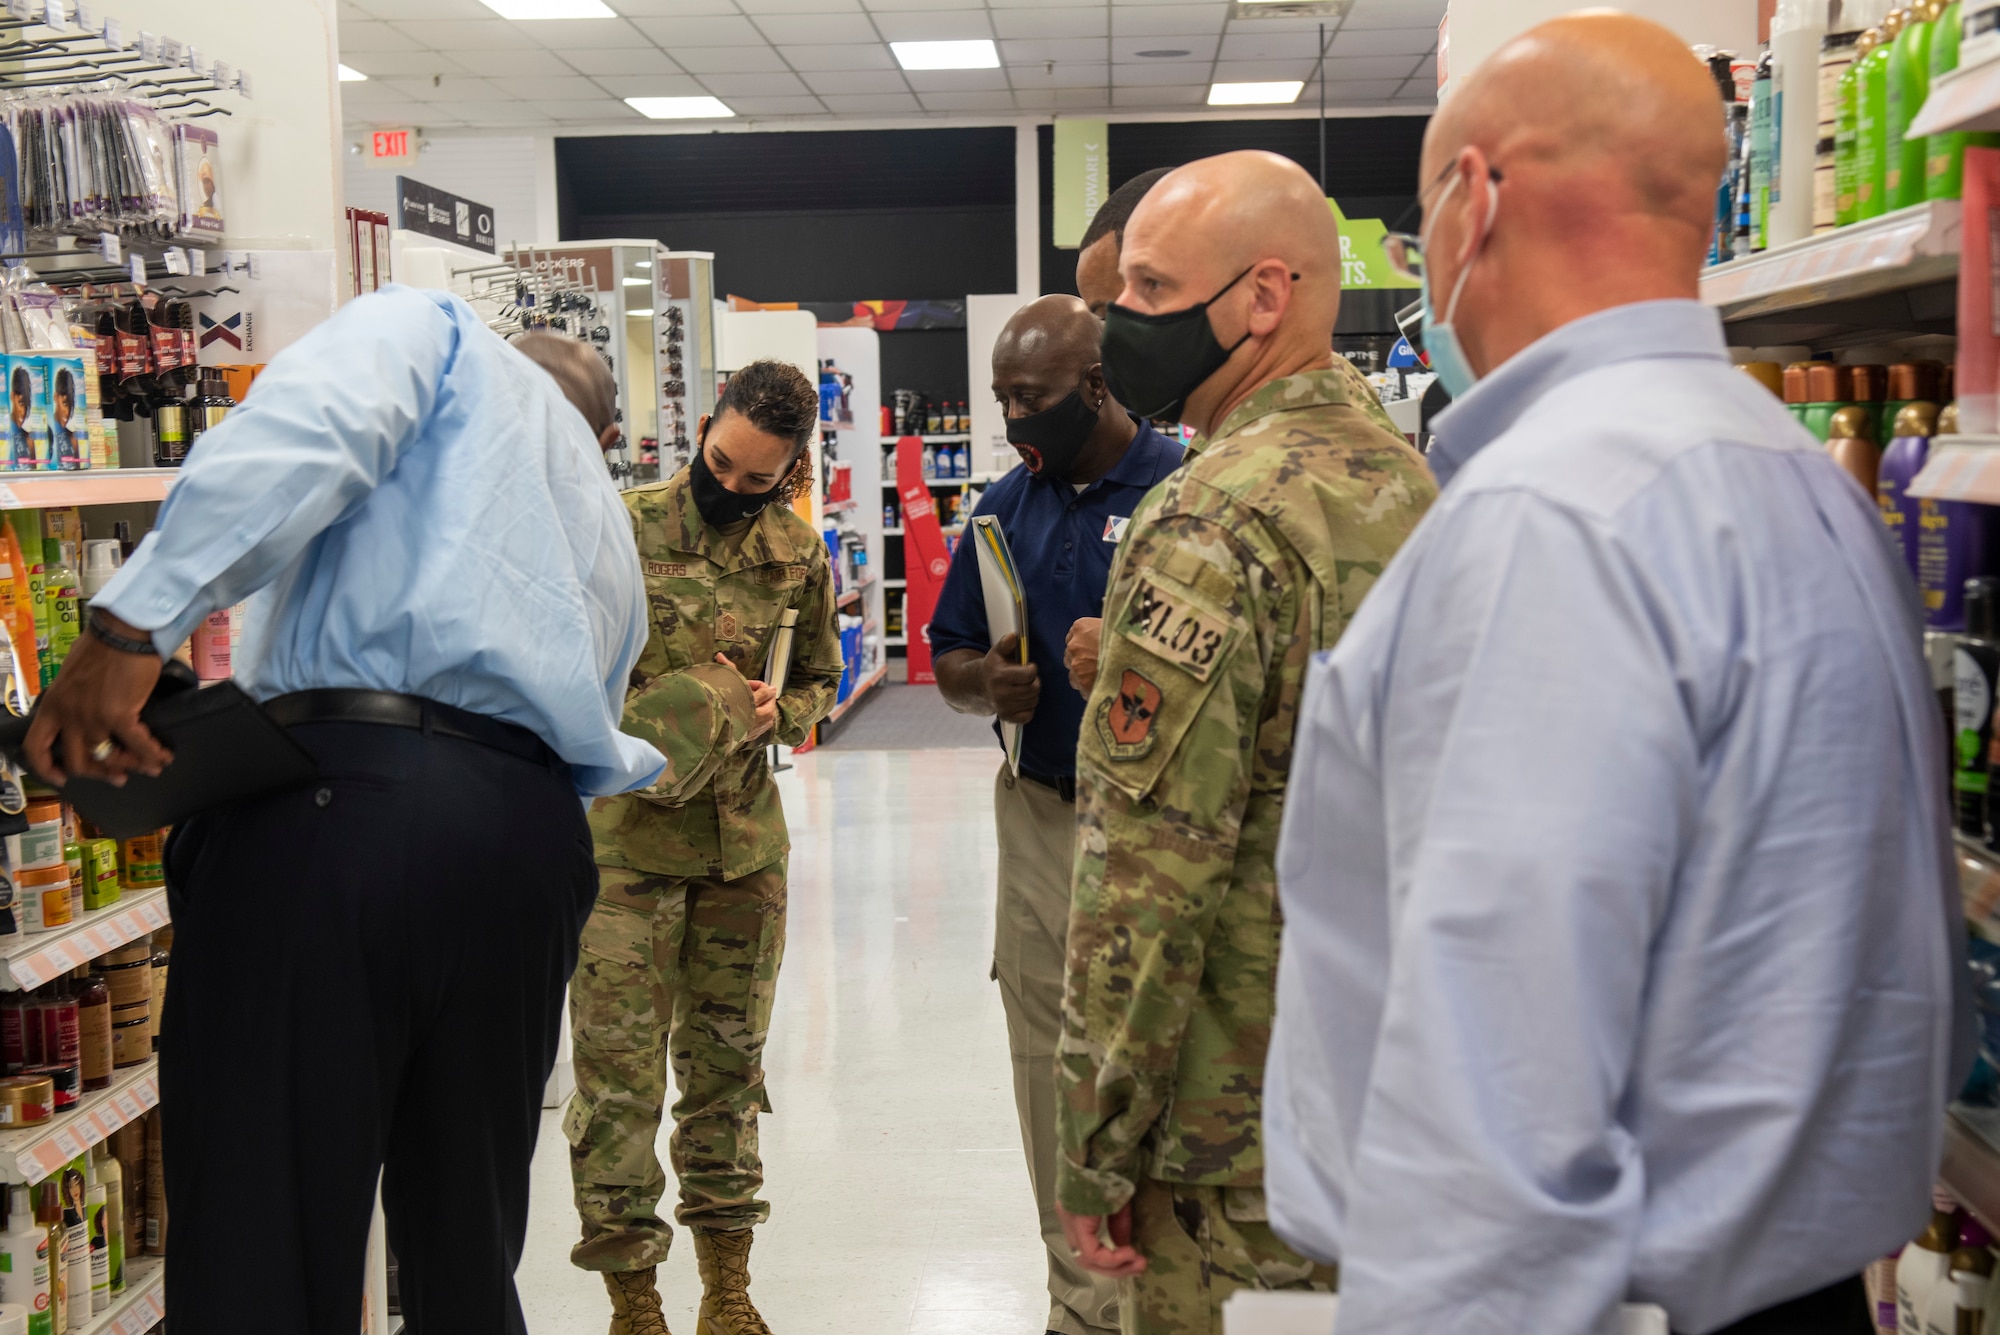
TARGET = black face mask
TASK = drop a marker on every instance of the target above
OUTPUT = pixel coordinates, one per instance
(1052, 440)
(719, 506)
(1153, 362)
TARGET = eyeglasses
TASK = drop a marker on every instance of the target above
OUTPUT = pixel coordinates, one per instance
(1406, 249)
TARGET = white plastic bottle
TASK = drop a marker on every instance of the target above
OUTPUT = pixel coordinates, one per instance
(1796, 31)
(1969, 1272)
(24, 1264)
(1922, 1264)
(75, 1247)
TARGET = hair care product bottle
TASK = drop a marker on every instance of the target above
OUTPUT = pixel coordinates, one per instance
(156, 1189)
(112, 1174)
(1906, 383)
(1847, 133)
(1952, 547)
(1909, 82)
(1922, 1264)
(162, 961)
(94, 1201)
(24, 1263)
(75, 1244)
(1975, 670)
(48, 1213)
(93, 1008)
(128, 1146)
(1850, 440)
(1944, 154)
(1797, 29)
(1763, 149)
(211, 647)
(1969, 1271)
(60, 587)
(1829, 388)
(1908, 448)
(1872, 122)
(61, 1035)
(1880, 1280)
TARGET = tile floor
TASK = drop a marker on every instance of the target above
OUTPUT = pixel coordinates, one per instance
(899, 1199)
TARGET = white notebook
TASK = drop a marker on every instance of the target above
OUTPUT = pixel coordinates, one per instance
(1006, 608)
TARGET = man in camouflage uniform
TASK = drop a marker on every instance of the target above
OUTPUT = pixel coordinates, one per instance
(1234, 572)
(682, 950)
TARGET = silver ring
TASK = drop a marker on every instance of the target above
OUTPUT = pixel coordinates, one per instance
(102, 751)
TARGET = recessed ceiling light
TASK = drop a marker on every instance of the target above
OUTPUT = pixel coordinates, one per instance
(1168, 54)
(349, 75)
(638, 315)
(977, 54)
(678, 108)
(638, 282)
(1254, 94)
(550, 9)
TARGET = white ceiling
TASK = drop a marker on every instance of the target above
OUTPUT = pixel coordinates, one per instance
(439, 63)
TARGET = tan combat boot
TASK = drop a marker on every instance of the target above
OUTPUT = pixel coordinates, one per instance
(723, 1257)
(635, 1302)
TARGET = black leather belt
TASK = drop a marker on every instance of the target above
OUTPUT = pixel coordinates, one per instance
(410, 711)
(1064, 784)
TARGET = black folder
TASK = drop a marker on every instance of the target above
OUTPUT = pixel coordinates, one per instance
(226, 749)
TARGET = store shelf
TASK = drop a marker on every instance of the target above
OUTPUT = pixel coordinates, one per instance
(840, 507)
(892, 532)
(104, 486)
(142, 1306)
(861, 688)
(32, 1153)
(36, 959)
(1905, 249)
(855, 593)
(835, 424)
(1960, 468)
(895, 584)
(1965, 99)
(976, 480)
(896, 641)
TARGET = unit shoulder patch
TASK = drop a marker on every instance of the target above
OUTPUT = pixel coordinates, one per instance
(1170, 625)
(1126, 719)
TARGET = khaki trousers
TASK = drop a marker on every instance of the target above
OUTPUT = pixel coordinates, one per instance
(1037, 834)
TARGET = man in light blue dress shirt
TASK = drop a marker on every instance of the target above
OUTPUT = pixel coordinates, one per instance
(446, 607)
(1621, 947)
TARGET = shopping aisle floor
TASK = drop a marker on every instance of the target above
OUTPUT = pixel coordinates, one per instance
(899, 1200)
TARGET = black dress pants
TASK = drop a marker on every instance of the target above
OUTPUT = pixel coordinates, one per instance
(1838, 1309)
(368, 975)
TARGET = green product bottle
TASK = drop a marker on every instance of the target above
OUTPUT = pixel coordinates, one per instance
(1944, 154)
(1909, 83)
(1871, 126)
(63, 592)
(1846, 133)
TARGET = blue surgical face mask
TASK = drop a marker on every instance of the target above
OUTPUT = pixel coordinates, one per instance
(1441, 344)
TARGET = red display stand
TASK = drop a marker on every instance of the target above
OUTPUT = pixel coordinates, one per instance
(925, 559)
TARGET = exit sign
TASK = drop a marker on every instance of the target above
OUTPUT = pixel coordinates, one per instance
(392, 148)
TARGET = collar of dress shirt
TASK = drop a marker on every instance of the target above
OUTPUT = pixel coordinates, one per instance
(1643, 330)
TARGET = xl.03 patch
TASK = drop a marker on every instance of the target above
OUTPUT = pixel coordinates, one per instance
(1126, 720)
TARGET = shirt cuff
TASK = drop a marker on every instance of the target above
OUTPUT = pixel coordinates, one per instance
(143, 595)
(1090, 1191)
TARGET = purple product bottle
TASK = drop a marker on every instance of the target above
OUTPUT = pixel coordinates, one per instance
(1909, 446)
(1952, 546)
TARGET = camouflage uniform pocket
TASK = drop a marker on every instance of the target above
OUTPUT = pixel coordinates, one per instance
(616, 996)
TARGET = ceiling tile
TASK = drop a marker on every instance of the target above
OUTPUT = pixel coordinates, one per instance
(1051, 4)
(727, 59)
(374, 37)
(1064, 48)
(581, 34)
(453, 89)
(496, 113)
(510, 64)
(870, 103)
(933, 25)
(649, 85)
(1080, 99)
(1426, 71)
(1383, 42)
(380, 64)
(991, 101)
(805, 6)
(1245, 41)
(872, 56)
(466, 34)
(1352, 92)
(777, 106)
(1308, 28)
(548, 88)
(701, 30)
(800, 29)
(1200, 49)
(1077, 74)
(1158, 73)
(898, 6)
(349, 12)
(375, 94)
(426, 9)
(395, 111)
(1082, 21)
(633, 60)
(1255, 71)
(766, 84)
(950, 81)
(653, 9)
(1368, 14)
(1141, 20)
(587, 109)
(1178, 96)
(856, 81)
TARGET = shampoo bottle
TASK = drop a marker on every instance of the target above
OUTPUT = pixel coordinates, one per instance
(1847, 132)
(1922, 1265)
(1909, 82)
(75, 1244)
(24, 1264)
(1908, 449)
(1975, 670)
(94, 1204)
(1797, 30)
(48, 1213)
(112, 1174)
(1850, 439)
(1871, 125)
(1968, 1272)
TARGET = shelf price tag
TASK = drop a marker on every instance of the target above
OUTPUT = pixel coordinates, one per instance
(177, 260)
(109, 247)
(198, 262)
(22, 10)
(127, 1106)
(52, 15)
(139, 269)
(243, 83)
(147, 1091)
(149, 45)
(114, 34)
(150, 913)
(67, 1144)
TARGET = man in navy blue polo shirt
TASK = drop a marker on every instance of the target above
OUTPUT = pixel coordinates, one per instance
(1085, 464)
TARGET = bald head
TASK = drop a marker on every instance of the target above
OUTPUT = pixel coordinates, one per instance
(581, 374)
(1600, 97)
(1056, 334)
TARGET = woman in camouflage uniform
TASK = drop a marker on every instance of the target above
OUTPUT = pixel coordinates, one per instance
(680, 958)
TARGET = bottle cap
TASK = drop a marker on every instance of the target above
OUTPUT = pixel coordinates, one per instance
(1982, 592)
(1768, 374)
(1898, 19)
(101, 559)
(1795, 388)
(1917, 419)
(1851, 423)
(1913, 380)
(1947, 423)
(1870, 383)
(1827, 383)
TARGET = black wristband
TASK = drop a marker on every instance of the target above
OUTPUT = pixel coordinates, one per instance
(123, 643)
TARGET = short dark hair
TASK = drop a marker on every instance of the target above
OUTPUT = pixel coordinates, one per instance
(776, 398)
(1115, 212)
(579, 370)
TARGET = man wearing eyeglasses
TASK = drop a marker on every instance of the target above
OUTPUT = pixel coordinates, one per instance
(1233, 571)
(1621, 937)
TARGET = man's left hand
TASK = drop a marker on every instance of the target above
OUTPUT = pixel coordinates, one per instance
(95, 699)
(1120, 1260)
(1080, 653)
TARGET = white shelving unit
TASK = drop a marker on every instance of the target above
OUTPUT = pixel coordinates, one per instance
(142, 1306)
(34, 1152)
(1905, 249)
(858, 352)
(1965, 99)
(36, 959)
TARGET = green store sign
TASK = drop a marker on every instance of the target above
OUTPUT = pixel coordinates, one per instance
(1362, 263)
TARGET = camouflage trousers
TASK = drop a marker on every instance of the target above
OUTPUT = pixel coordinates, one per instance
(680, 969)
(1202, 1244)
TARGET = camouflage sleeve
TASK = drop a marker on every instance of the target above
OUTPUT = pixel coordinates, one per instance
(1163, 776)
(816, 663)
(697, 717)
